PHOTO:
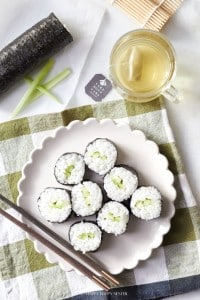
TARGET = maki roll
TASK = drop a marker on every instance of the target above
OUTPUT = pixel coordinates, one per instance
(30, 49)
(70, 168)
(87, 198)
(54, 205)
(113, 218)
(85, 236)
(146, 203)
(120, 183)
(100, 156)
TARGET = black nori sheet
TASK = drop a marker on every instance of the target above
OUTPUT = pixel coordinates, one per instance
(30, 49)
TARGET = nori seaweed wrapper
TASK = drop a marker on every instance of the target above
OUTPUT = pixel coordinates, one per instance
(30, 49)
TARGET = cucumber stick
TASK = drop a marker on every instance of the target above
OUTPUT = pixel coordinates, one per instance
(44, 88)
(27, 96)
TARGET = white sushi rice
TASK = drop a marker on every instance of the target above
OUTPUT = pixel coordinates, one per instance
(120, 184)
(70, 168)
(100, 156)
(86, 199)
(113, 218)
(146, 203)
(85, 236)
(54, 204)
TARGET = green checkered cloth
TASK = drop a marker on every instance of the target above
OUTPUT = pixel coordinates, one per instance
(25, 274)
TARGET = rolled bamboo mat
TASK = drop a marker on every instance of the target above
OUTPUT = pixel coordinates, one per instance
(153, 14)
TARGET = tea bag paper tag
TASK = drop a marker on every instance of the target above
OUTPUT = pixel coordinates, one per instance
(98, 87)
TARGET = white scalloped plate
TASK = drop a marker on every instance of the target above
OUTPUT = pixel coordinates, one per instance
(141, 237)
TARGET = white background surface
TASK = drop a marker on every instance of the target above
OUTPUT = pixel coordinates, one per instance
(183, 30)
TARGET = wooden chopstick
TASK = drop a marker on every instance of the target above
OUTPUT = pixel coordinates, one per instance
(77, 265)
(86, 259)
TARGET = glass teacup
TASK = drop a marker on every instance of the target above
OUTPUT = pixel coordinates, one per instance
(143, 66)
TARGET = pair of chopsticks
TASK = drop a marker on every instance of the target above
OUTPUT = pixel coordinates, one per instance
(88, 266)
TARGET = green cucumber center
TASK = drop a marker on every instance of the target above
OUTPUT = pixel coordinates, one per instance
(58, 204)
(86, 195)
(86, 236)
(143, 203)
(68, 170)
(118, 182)
(113, 218)
(97, 154)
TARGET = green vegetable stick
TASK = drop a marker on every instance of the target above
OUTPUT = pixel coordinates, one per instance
(27, 96)
(43, 90)
(51, 83)
(62, 75)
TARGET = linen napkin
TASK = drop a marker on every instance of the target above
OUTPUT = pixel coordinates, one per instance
(173, 268)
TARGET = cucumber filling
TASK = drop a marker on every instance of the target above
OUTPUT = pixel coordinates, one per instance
(86, 195)
(58, 204)
(68, 170)
(97, 154)
(86, 236)
(113, 218)
(143, 203)
(118, 182)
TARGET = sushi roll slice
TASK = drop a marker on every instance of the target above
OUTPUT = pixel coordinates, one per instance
(113, 218)
(85, 236)
(146, 203)
(120, 183)
(70, 168)
(86, 198)
(100, 156)
(54, 205)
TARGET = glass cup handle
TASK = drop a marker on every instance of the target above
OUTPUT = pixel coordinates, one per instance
(172, 94)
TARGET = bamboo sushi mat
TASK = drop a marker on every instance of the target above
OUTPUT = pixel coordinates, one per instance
(174, 268)
(153, 14)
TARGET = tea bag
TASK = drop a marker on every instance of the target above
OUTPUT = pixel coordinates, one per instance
(135, 64)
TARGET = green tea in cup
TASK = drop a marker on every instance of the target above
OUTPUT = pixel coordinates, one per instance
(143, 65)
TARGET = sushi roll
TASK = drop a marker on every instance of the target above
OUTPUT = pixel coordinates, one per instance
(113, 218)
(70, 168)
(30, 49)
(54, 205)
(146, 203)
(120, 183)
(85, 236)
(100, 156)
(86, 198)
